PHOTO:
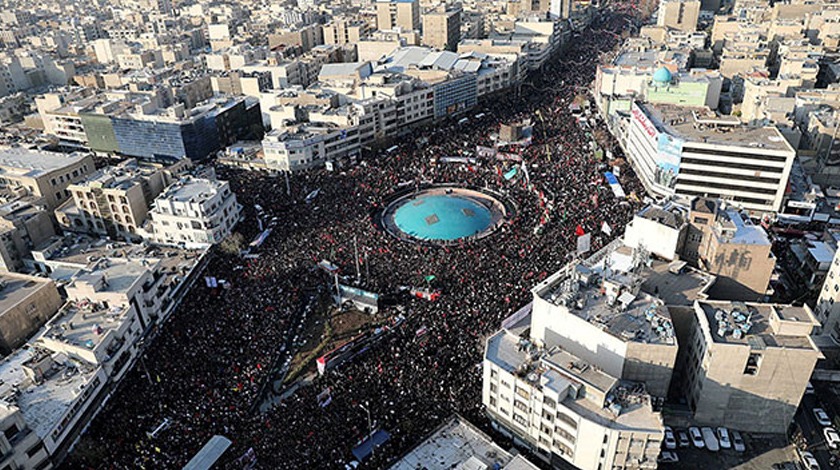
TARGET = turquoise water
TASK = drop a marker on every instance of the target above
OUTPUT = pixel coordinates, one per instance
(442, 217)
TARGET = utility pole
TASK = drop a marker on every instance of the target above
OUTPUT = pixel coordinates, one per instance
(288, 188)
(367, 267)
(356, 253)
(370, 430)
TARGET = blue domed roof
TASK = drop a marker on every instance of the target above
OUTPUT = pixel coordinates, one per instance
(662, 75)
(442, 217)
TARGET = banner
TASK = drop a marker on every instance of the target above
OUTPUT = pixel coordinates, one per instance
(668, 163)
(583, 243)
(615, 186)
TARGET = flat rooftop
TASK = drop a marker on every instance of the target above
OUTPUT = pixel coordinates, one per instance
(557, 369)
(17, 288)
(753, 320)
(676, 289)
(701, 125)
(459, 444)
(33, 163)
(632, 316)
(669, 217)
(85, 324)
(44, 404)
(191, 190)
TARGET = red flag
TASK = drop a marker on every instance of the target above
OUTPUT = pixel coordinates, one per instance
(579, 231)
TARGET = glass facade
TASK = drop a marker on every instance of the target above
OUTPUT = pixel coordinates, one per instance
(456, 95)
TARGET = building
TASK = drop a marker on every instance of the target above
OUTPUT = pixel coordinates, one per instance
(827, 308)
(723, 241)
(693, 152)
(114, 201)
(193, 212)
(442, 29)
(402, 14)
(659, 229)
(458, 444)
(344, 31)
(42, 174)
(679, 14)
(306, 146)
(24, 224)
(26, 303)
(748, 364)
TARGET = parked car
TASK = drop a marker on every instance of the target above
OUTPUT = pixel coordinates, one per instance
(822, 417)
(696, 437)
(710, 439)
(738, 442)
(809, 461)
(832, 439)
(683, 439)
(670, 440)
(723, 437)
(668, 456)
(809, 388)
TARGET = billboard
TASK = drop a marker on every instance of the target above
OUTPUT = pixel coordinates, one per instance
(640, 117)
(668, 163)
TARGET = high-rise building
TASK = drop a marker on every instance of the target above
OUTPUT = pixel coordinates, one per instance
(748, 364)
(690, 151)
(575, 376)
(403, 14)
(442, 29)
(679, 14)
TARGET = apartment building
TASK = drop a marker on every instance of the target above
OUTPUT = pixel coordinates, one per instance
(345, 31)
(193, 212)
(402, 14)
(681, 15)
(42, 174)
(442, 29)
(581, 387)
(27, 303)
(25, 223)
(114, 201)
(748, 364)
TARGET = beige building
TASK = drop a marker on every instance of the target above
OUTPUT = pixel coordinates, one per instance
(442, 29)
(43, 174)
(748, 364)
(574, 375)
(679, 14)
(393, 14)
(722, 241)
(24, 224)
(26, 303)
(343, 31)
(827, 309)
(114, 201)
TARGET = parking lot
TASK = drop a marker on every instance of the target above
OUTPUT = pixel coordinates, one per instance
(762, 452)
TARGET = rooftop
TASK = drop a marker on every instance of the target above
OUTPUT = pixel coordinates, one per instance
(759, 326)
(606, 399)
(15, 288)
(459, 444)
(34, 163)
(84, 324)
(701, 125)
(605, 290)
(42, 398)
(190, 189)
(680, 286)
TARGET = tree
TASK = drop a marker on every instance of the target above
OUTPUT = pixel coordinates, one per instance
(232, 244)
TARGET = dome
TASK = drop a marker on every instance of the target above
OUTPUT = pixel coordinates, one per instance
(662, 75)
(442, 217)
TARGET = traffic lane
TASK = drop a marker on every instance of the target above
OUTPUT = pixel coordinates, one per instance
(812, 431)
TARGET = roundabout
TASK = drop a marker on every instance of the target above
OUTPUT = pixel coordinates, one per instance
(443, 215)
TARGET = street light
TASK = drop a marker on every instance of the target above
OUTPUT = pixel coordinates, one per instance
(370, 430)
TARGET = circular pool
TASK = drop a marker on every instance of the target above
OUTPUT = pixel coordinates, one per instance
(443, 214)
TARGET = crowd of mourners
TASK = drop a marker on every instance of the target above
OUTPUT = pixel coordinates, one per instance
(206, 367)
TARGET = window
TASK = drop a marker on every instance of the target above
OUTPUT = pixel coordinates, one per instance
(562, 417)
(11, 431)
(493, 372)
(34, 450)
(520, 420)
(493, 401)
(494, 388)
(549, 402)
(547, 415)
(753, 363)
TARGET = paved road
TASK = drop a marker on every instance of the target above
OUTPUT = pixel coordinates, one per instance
(813, 431)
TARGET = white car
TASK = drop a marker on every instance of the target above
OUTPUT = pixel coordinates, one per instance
(723, 437)
(832, 439)
(738, 442)
(809, 389)
(710, 439)
(822, 417)
(682, 436)
(809, 461)
(668, 457)
(670, 440)
(696, 437)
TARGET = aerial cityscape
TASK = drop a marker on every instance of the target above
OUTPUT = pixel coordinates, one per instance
(420, 234)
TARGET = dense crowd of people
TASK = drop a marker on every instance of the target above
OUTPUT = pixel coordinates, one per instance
(207, 366)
